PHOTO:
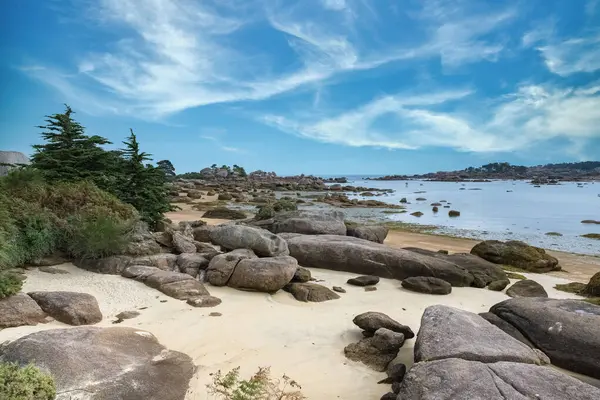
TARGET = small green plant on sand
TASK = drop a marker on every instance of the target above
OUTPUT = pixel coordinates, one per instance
(261, 386)
(27, 383)
(10, 284)
(571, 287)
(514, 275)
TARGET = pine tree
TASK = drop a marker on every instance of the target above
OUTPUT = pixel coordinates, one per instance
(167, 168)
(71, 155)
(143, 186)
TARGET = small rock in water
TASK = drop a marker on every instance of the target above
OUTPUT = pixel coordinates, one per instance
(417, 214)
(453, 213)
(339, 289)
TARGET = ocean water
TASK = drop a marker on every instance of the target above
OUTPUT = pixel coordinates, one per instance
(504, 210)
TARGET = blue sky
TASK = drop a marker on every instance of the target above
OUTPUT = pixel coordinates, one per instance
(311, 86)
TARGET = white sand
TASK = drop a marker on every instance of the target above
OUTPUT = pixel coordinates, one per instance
(303, 340)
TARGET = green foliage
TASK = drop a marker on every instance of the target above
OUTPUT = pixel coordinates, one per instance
(265, 212)
(271, 209)
(97, 234)
(239, 170)
(571, 287)
(514, 275)
(27, 383)
(259, 387)
(10, 284)
(167, 167)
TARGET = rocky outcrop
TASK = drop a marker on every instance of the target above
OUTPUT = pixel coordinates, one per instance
(174, 284)
(427, 284)
(310, 292)
(363, 280)
(262, 242)
(191, 263)
(268, 274)
(376, 351)
(593, 286)
(516, 253)
(11, 159)
(114, 265)
(224, 213)
(142, 242)
(18, 310)
(310, 223)
(526, 288)
(164, 261)
(222, 266)
(483, 271)
(373, 233)
(183, 243)
(202, 233)
(447, 332)
(455, 378)
(104, 363)
(71, 308)
(302, 275)
(371, 321)
(344, 253)
(566, 330)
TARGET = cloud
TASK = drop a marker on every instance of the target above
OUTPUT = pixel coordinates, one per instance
(531, 115)
(175, 55)
(579, 55)
(215, 135)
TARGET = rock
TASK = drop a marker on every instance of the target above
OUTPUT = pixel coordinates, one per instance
(310, 292)
(377, 351)
(139, 272)
(427, 284)
(498, 285)
(10, 160)
(388, 396)
(174, 284)
(344, 253)
(191, 263)
(339, 289)
(221, 266)
(204, 301)
(592, 289)
(396, 372)
(302, 275)
(183, 244)
(263, 274)
(363, 280)
(482, 270)
(127, 314)
(110, 265)
(50, 260)
(142, 241)
(224, 213)
(164, 238)
(454, 378)
(71, 308)
(526, 288)
(18, 310)
(53, 270)
(262, 242)
(590, 221)
(215, 314)
(310, 223)
(373, 233)
(506, 327)
(453, 213)
(164, 261)
(371, 321)
(105, 363)
(224, 196)
(417, 214)
(202, 233)
(370, 288)
(517, 254)
(435, 209)
(566, 330)
(447, 332)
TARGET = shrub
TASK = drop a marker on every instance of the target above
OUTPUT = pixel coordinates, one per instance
(27, 383)
(10, 284)
(261, 386)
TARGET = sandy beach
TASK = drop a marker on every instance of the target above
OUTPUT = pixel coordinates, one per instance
(303, 340)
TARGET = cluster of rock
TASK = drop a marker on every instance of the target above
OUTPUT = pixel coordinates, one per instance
(10, 159)
(460, 355)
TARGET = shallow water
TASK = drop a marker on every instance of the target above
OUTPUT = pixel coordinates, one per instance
(499, 210)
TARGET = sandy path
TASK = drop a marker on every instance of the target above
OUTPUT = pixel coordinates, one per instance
(303, 340)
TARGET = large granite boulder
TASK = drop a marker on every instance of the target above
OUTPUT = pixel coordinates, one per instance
(566, 330)
(11, 159)
(516, 253)
(191, 263)
(267, 274)
(448, 332)
(593, 287)
(142, 241)
(483, 271)
(164, 261)
(262, 242)
(113, 265)
(71, 308)
(174, 284)
(105, 363)
(427, 284)
(376, 351)
(371, 321)
(222, 266)
(373, 233)
(202, 233)
(310, 223)
(454, 378)
(350, 254)
(18, 310)
(302, 275)
(506, 327)
(526, 288)
(310, 292)
(182, 243)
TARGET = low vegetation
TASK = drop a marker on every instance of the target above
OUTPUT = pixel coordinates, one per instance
(25, 383)
(571, 287)
(514, 275)
(261, 386)
(269, 210)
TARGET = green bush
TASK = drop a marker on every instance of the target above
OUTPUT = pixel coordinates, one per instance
(27, 383)
(10, 284)
(261, 386)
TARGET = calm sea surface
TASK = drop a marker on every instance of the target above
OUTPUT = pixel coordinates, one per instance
(501, 210)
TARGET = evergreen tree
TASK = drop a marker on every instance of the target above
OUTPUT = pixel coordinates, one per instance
(71, 155)
(143, 186)
(167, 168)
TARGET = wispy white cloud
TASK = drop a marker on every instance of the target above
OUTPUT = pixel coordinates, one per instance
(216, 136)
(175, 55)
(573, 55)
(533, 114)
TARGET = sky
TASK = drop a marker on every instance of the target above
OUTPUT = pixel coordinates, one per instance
(311, 86)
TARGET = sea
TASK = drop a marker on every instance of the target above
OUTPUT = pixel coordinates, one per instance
(502, 210)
